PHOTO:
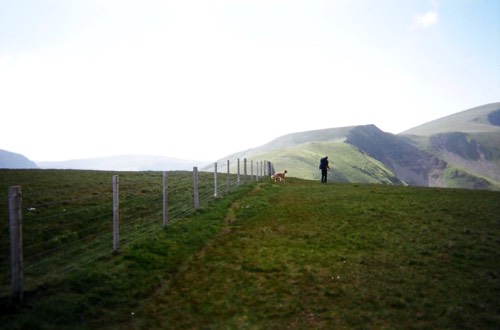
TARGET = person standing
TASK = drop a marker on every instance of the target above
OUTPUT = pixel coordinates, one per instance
(324, 166)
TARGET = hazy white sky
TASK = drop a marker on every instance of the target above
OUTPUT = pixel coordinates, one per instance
(198, 79)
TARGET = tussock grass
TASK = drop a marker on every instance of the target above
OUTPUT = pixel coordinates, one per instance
(295, 255)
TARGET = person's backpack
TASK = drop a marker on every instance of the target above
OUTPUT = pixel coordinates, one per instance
(322, 163)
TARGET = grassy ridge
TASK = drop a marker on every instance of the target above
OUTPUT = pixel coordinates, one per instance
(105, 291)
(294, 255)
(67, 215)
(305, 255)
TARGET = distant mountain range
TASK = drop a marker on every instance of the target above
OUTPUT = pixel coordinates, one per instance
(112, 163)
(460, 150)
(127, 163)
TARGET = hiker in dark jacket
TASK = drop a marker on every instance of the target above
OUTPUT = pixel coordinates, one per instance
(324, 167)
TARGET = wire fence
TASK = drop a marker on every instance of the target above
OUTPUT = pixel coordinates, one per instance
(67, 223)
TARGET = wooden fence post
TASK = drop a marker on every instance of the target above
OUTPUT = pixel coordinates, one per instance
(16, 242)
(195, 188)
(228, 176)
(215, 180)
(238, 174)
(165, 199)
(270, 170)
(244, 170)
(116, 214)
(251, 170)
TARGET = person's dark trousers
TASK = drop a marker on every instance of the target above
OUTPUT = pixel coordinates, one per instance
(323, 175)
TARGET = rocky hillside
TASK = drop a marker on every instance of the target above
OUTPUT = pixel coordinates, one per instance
(469, 142)
(409, 163)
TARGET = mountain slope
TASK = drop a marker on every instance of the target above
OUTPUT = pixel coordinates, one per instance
(485, 118)
(13, 160)
(294, 139)
(412, 165)
(469, 141)
(347, 163)
(461, 150)
(299, 154)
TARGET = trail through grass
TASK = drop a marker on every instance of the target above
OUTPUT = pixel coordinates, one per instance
(305, 255)
(302, 255)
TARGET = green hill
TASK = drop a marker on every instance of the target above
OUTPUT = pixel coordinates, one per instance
(348, 164)
(485, 118)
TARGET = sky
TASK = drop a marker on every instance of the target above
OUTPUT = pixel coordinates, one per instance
(199, 80)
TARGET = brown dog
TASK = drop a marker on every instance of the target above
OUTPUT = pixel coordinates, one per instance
(279, 176)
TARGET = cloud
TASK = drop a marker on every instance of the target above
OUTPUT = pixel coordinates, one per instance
(426, 19)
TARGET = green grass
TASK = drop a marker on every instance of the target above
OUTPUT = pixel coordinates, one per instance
(94, 288)
(294, 255)
(305, 255)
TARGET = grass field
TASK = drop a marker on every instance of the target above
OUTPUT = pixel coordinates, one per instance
(295, 255)
(67, 215)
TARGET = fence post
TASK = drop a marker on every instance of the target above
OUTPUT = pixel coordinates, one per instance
(238, 174)
(116, 214)
(165, 199)
(251, 170)
(270, 169)
(16, 242)
(195, 188)
(215, 180)
(244, 170)
(228, 176)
